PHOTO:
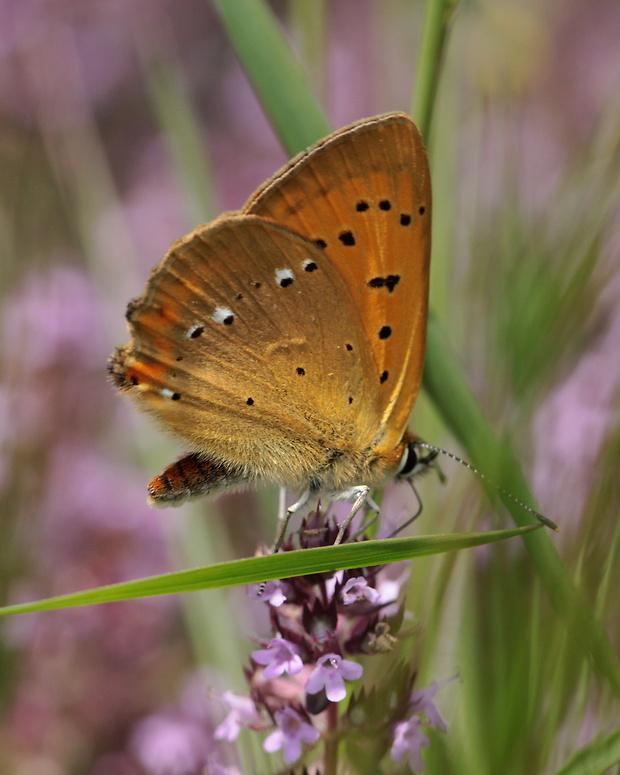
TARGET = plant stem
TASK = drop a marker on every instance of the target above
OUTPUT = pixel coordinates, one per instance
(438, 13)
(331, 741)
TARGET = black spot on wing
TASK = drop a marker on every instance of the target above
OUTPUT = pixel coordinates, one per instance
(389, 282)
(347, 238)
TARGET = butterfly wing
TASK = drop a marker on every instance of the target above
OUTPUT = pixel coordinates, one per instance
(247, 345)
(363, 196)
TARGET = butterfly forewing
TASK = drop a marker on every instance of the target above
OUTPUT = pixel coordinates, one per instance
(286, 342)
(232, 350)
(363, 196)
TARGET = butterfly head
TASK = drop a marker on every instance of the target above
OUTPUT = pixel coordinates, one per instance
(414, 461)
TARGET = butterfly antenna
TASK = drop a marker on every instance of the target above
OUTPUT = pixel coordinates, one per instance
(536, 514)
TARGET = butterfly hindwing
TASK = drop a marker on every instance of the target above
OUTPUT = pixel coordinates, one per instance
(232, 350)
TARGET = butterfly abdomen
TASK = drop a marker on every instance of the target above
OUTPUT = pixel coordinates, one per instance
(190, 476)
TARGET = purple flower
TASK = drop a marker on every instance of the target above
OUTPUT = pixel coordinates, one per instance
(408, 743)
(389, 589)
(330, 674)
(409, 739)
(280, 656)
(291, 732)
(273, 592)
(358, 590)
(167, 745)
(242, 712)
(422, 702)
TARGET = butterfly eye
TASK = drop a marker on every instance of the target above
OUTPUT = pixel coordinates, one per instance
(408, 462)
(412, 463)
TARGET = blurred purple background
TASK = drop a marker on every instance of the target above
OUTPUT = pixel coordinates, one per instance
(91, 199)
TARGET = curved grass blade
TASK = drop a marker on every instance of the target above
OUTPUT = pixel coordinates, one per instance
(595, 758)
(275, 73)
(274, 566)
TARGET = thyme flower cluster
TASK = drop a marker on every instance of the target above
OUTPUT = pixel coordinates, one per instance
(335, 636)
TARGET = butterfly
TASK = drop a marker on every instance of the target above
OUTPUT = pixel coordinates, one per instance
(285, 342)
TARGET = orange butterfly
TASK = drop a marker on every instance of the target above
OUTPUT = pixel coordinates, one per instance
(285, 343)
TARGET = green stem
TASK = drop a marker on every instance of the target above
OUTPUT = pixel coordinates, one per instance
(331, 741)
(276, 75)
(438, 14)
(444, 381)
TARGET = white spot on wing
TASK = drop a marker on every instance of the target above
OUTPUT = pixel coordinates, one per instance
(166, 393)
(222, 314)
(284, 276)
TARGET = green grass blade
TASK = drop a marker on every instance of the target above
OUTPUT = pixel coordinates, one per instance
(444, 381)
(274, 72)
(274, 566)
(595, 758)
(434, 35)
(182, 129)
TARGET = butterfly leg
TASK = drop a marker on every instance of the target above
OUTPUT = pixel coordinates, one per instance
(360, 495)
(283, 520)
(306, 502)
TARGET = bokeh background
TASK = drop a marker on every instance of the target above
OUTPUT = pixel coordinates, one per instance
(124, 124)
